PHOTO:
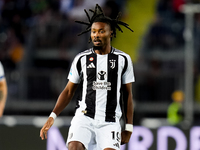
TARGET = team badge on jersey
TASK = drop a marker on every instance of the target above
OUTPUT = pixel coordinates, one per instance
(112, 61)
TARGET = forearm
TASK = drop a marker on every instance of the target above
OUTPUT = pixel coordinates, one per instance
(62, 102)
(128, 100)
(126, 134)
(3, 95)
(130, 110)
(3, 90)
(65, 97)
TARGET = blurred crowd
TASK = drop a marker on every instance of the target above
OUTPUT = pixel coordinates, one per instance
(167, 30)
(162, 53)
(45, 25)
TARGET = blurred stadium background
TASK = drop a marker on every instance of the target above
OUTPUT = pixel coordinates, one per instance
(38, 41)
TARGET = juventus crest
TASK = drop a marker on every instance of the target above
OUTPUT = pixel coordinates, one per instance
(112, 62)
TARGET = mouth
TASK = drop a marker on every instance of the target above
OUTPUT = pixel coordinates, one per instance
(97, 41)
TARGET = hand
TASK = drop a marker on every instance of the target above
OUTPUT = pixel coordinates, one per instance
(46, 127)
(125, 135)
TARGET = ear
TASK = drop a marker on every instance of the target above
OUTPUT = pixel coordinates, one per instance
(111, 34)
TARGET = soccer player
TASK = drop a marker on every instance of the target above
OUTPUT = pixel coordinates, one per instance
(3, 90)
(104, 73)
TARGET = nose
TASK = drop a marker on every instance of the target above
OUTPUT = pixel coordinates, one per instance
(96, 35)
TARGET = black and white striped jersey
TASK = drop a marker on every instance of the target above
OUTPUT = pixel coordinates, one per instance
(102, 77)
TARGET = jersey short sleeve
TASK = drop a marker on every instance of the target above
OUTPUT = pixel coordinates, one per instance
(1, 71)
(128, 76)
(74, 74)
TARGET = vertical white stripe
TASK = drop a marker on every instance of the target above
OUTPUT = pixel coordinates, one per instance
(120, 68)
(101, 94)
(82, 102)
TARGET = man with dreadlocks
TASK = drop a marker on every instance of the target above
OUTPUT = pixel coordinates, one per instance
(105, 74)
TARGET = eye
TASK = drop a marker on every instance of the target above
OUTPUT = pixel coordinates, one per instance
(101, 31)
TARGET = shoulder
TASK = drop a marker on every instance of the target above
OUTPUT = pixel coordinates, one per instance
(82, 54)
(119, 52)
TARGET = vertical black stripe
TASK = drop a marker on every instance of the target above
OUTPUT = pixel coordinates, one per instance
(78, 66)
(80, 87)
(112, 94)
(91, 76)
(125, 65)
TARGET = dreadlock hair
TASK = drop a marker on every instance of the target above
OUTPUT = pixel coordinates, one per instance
(98, 16)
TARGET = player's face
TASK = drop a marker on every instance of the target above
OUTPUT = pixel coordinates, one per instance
(100, 34)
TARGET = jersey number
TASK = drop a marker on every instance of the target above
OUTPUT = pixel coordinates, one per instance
(115, 136)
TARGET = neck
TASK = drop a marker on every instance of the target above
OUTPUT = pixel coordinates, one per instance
(102, 50)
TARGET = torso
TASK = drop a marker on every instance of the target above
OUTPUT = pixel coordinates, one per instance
(102, 79)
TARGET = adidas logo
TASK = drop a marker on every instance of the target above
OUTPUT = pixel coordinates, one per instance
(116, 144)
(91, 65)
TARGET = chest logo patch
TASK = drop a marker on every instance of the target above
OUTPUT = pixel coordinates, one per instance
(101, 75)
(112, 62)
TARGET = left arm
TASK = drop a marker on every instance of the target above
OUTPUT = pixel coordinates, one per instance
(3, 95)
(127, 91)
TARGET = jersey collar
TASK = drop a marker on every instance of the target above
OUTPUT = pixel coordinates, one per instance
(112, 50)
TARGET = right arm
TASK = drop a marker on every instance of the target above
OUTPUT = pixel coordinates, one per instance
(65, 97)
(63, 100)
